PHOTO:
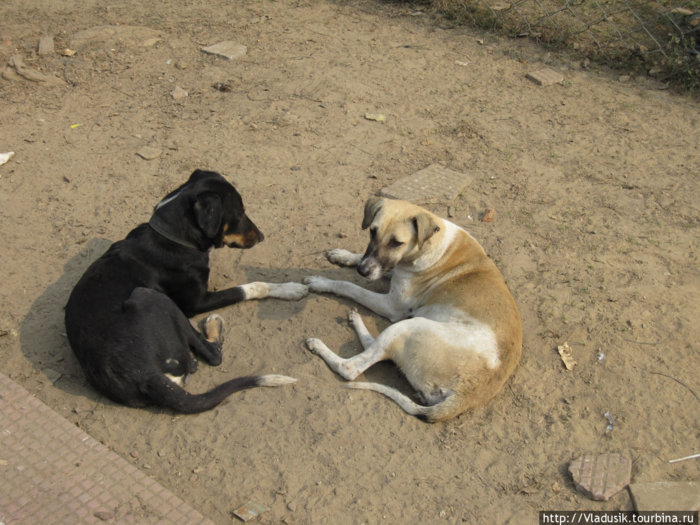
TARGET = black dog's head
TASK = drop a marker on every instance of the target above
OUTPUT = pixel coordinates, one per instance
(205, 212)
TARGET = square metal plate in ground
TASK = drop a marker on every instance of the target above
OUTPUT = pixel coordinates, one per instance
(432, 184)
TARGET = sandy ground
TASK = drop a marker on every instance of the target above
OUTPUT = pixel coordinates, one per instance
(594, 183)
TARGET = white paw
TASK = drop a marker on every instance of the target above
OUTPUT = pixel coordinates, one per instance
(319, 284)
(288, 291)
(313, 344)
(256, 290)
(354, 317)
(343, 257)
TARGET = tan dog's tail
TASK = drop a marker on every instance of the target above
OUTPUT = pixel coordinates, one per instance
(446, 409)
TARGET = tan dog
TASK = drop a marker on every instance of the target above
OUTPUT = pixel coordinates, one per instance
(457, 333)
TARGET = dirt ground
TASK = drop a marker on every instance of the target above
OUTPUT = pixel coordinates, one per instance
(595, 188)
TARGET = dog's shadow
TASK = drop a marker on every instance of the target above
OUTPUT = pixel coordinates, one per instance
(42, 332)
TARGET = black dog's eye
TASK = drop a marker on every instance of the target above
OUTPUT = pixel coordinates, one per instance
(393, 243)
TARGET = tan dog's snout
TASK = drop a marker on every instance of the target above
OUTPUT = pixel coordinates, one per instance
(370, 267)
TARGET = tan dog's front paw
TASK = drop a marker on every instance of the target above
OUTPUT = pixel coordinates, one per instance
(343, 257)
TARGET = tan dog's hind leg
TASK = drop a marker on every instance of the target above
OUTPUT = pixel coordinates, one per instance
(377, 350)
(347, 368)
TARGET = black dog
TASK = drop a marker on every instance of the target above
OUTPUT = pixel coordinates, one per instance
(126, 318)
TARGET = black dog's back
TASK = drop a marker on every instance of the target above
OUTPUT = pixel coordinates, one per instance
(125, 319)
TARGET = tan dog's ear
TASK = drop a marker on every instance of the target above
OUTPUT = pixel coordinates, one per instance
(372, 207)
(425, 227)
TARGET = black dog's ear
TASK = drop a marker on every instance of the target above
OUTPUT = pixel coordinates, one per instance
(198, 175)
(208, 211)
(372, 207)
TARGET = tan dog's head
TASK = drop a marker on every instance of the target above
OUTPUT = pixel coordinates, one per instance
(398, 232)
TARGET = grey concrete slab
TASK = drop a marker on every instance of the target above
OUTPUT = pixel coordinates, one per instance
(432, 184)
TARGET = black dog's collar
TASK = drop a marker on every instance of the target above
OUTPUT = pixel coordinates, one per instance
(161, 228)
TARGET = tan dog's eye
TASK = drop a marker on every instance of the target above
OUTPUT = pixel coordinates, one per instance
(373, 233)
(393, 243)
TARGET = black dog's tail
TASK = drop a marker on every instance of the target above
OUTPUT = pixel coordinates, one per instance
(164, 392)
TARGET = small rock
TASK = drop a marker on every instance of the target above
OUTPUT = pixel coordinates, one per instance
(545, 77)
(4, 157)
(292, 506)
(45, 46)
(682, 11)
(227, 49)
(17, 62)
(10, 75)
(179, 93)
(377, 117)
(567, 356)
(148, 153)
(601, 477)
(488, 215)
(450, 211)
(624, 78)
(249, 511)
(224, 87)
(104, 515)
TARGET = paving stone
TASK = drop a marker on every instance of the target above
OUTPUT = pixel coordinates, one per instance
(51, 472)
(227, 49)
(434, 183)
(666, 495)
(545, 77)
(601, 477)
